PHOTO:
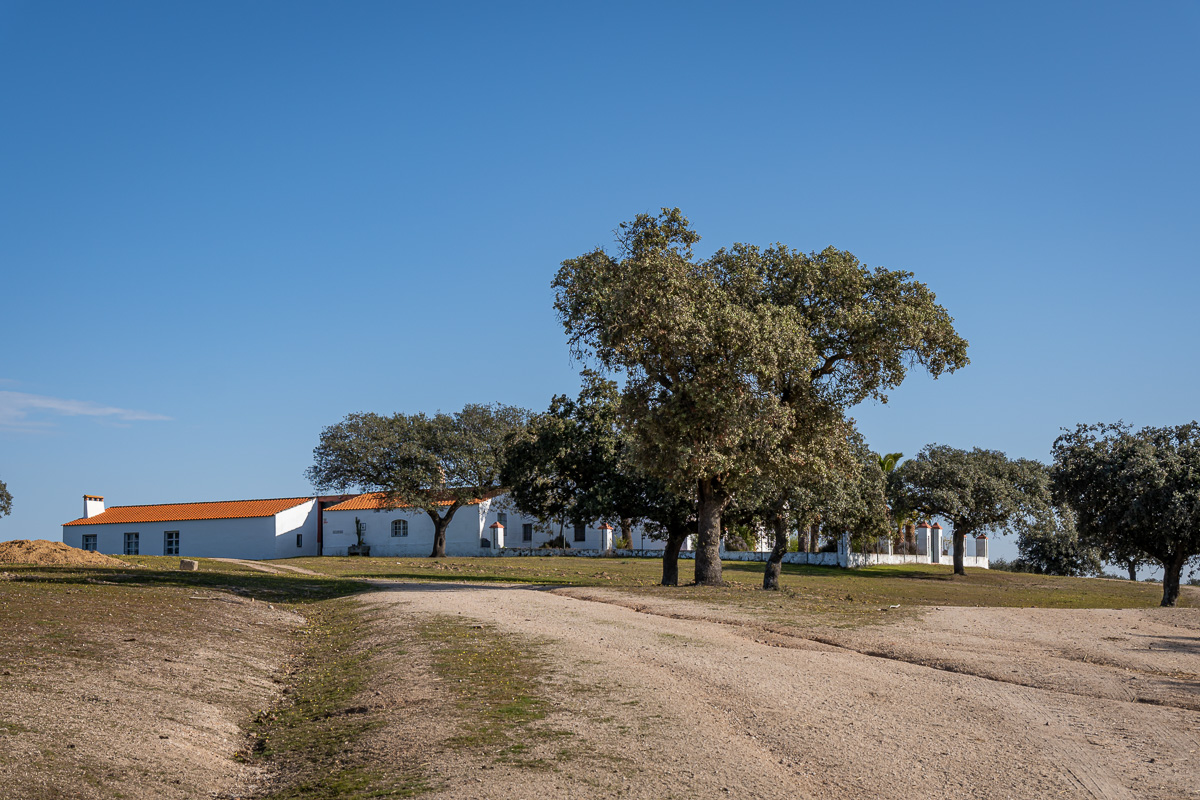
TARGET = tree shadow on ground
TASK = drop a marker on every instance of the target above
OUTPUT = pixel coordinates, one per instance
(290, 588)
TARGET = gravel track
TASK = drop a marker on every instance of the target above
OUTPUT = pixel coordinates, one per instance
(954, 703)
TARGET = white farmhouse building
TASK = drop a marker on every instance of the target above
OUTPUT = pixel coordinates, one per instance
(477, 529)
(257, 529)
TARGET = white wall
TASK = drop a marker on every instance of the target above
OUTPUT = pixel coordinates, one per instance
(200, 538)
(469, 525)
(462, 536)
(302, 521)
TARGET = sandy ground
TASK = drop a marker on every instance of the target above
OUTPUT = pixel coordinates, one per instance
(140, 708)
(672, 700)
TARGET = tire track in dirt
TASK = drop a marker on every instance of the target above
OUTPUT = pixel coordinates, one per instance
(779, 636)
(703, 708)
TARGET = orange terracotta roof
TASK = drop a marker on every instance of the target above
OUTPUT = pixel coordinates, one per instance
(377, 501)
(177, 512)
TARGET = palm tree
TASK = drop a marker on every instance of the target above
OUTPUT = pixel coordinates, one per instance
(888, 462)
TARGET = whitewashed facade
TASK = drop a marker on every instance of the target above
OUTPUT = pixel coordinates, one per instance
(472, 531)
(252, 529)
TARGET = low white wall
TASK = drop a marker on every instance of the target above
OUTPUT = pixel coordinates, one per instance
(816, 559)
(512, 552)
(872, 559)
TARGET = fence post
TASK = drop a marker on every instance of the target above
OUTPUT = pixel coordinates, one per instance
(981, 546)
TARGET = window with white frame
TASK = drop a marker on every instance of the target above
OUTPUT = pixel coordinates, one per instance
(170, 543)
(89, 541)
(502, 518)
(527, 532)
(131, 544)
(399, 527)
(581, 533)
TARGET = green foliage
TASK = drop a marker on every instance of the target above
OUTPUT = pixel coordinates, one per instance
(457, 456)
(889, 461)
(573, 464)
(570, 464)
(736, 364)
(739, 538)
(433, 463)
(854, 501)
(978, 491)
(5, 500)
(1049, 544)
(1134, 492)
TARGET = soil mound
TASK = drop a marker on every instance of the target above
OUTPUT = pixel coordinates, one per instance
(44, 553)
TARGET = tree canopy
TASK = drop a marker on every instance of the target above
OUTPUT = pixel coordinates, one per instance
(573, 465)
(1049, 544)
(845, 493)
(5, 500)
(977, 491)
(433, 463)
(1134, 491)
(727, 359)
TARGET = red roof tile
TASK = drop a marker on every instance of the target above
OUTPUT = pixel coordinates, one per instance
(377, 501)
(177, 512)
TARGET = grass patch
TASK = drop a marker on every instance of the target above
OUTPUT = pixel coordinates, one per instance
(808, 588)
(496, 684)
(312, 737)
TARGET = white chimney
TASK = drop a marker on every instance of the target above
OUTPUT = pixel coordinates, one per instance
(92, 505)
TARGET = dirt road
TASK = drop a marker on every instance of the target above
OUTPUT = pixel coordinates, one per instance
(955, 703)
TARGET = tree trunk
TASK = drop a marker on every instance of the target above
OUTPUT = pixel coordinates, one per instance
(675, 540)
(711, 499)
(439, 536)
(960, 538)
(627, 530)
(775, 562)
(814, 538)
(1172, 567)
(1133, 571)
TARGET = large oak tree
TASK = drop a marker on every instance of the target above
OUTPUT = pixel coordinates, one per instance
(1134, 492)
(723, 357)
(436, 463)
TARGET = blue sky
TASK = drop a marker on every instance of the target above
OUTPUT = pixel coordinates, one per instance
(223, 226)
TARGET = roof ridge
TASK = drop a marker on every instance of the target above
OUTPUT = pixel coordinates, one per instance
(212, 502)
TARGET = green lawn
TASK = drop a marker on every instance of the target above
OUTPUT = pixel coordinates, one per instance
(804, 587)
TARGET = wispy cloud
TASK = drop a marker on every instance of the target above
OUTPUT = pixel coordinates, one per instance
(22, 411)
